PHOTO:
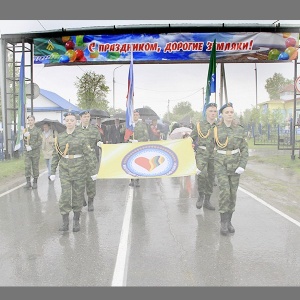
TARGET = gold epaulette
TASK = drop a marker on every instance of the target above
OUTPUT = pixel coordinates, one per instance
(200, 133)
(58, 149)
(217, 139)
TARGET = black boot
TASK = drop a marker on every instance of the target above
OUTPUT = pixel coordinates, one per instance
(90, 204)
(131, 182)
(76, 225)
(28, 183)
(137, 183)
(224, 229)
(199, 202)
(84, 202)
(65, 225)
(34, 184)
(229, 225)
(207, 203)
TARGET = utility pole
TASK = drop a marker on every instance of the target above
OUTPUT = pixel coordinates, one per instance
(169, 110)
(114, 85)
(255, 86)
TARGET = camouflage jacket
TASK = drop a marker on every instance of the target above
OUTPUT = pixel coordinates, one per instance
(236, 140)
(141, 132)
(73, 168)
(35, 138)
(204, 138)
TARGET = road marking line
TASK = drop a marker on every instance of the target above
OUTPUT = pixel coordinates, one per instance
(271, 207)
(17, 187)
(119, 278)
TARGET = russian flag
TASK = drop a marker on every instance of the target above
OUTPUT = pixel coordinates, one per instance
(129, 103)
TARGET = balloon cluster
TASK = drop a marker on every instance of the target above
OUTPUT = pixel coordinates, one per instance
(290, 53)
(72, 53)
(76, 50)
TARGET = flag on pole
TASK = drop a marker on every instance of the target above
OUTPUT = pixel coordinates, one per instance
(129, 103)
(21, 105)
(211, 76)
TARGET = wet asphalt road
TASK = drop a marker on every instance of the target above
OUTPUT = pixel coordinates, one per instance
(170, 242)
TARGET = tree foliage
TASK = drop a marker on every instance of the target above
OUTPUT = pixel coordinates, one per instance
(92, 91)
(275, 84)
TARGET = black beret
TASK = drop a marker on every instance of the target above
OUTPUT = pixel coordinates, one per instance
(229, 104)
(69, 113)
(84, 112)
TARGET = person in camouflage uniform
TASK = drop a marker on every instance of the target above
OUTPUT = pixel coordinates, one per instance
(141, 134)
(92, 136)
(231, 158)
(70, 152)
(203, 140)
(32, 138)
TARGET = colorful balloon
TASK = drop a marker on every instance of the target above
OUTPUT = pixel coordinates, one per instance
(71, 54)
(94, 54)
(79, 40)
(65, 38)
(88, 38)
(64, 59)
(54, 57)
(283, 56)
(69, 45)
(290, 51)
(290, 42)
(79, 54)
(273, 54)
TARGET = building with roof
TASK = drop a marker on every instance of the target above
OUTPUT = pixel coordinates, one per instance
(285, 103)
(51, 106)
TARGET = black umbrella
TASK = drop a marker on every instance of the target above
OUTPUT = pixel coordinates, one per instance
(121, 115)
(54, 125)
(99, 113)
(147, 112)
(111, 121)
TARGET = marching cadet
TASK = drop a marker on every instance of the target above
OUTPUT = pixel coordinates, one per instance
(32, 140)
(92, 136)
(70, 152)
(203, 140)
(141, 134)
(231, 157)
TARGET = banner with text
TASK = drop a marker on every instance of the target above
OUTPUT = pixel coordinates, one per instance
(166, 48)
(168, 158)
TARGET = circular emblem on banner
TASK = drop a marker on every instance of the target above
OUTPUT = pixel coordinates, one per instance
(150, 161)
(297, 84)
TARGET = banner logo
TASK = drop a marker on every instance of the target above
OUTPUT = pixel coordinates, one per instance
(150, 160)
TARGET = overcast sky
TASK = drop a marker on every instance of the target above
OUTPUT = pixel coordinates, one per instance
(156, 85)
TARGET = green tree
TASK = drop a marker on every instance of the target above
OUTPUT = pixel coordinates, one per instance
(92, 91)
(275, 84)
(182, 108)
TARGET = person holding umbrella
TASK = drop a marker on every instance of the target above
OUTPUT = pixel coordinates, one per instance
(70, 152)
(202, 136)
(92, 136)
(48, 145)
(32, 140)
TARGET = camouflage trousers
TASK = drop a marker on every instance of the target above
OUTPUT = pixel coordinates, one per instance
(32, 163)
(72, 195)
(206, 179)
(90, 184)
(228, 186)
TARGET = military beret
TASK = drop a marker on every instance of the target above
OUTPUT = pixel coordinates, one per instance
(210, 104)
(69, 113)
(84, 112)
(229, 104)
